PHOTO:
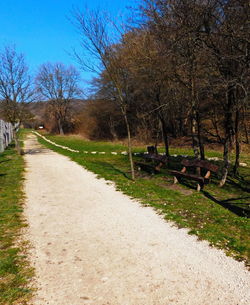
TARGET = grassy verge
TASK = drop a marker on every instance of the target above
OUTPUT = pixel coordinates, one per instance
(15, 272)
(212, 215)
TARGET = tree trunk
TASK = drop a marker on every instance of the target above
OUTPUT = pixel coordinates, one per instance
(112, 129)
(237, 144)
(228, 132)
(195, 140)
(165, 136)
(158, 133)
(226, 162)
(200, 140)
(181, 132)
(17, 144)
(194, 131)
(129, 145)
(214, 121)
(246, 133)
(245, 127)
(60, 128)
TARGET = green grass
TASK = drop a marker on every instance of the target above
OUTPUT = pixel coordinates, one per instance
(207, 214)
(15, 271)
(22, 134)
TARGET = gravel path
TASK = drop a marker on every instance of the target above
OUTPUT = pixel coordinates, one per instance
(94, 245)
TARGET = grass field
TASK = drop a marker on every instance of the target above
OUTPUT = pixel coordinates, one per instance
(15, 271)
(212, 214)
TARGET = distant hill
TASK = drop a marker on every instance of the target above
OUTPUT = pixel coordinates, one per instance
(38, 109)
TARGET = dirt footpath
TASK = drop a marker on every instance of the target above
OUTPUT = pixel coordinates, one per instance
(94, 245)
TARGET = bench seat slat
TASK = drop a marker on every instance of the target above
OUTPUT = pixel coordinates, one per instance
(200, 179)
(155, 157)
(147, 167)
(200, 163)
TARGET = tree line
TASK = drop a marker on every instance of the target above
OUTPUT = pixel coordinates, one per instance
(55, 83)
(178, 68)
(181, 68)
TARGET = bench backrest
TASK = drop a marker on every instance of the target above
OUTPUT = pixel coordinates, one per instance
(152, 150)
(156, 157)
(200, 163)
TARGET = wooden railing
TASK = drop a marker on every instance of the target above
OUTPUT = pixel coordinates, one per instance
(6, 134)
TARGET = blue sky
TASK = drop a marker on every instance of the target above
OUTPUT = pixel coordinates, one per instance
(40, 28)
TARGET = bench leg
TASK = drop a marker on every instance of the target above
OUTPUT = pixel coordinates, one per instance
(138, 167)
(175, 180)
(200, 187)
(158, 167)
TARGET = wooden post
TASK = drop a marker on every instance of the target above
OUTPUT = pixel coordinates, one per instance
(1, 136)
(175, 180)
(6, 135)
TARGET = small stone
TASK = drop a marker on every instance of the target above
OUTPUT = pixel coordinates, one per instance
(84, 298)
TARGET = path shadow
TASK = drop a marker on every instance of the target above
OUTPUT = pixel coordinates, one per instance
(239, 184)
(230, 205)
(34, 151)
(5, 160)
(112, 168)
(233, 199)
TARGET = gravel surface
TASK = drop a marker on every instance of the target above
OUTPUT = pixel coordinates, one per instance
(94, 245)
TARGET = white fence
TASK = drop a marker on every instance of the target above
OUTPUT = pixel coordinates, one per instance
(6, 135)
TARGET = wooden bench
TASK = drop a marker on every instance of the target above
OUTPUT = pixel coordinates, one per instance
(146, 167)
(159, 159)
(152, 150)
(200, 166)
(152, 155)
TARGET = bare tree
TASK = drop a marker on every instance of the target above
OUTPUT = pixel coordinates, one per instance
(59, 85)
(226, 36)
(210, 44)
(96, 32)
(15, 89)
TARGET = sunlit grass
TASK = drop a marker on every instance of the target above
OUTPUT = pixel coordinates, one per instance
(206, 214)
(15, 272)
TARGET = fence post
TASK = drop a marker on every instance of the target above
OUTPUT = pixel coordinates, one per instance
(6, 135)
(10, 132)
(1, 136)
